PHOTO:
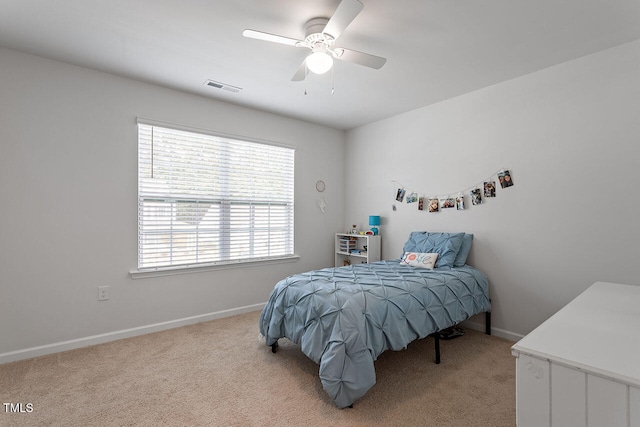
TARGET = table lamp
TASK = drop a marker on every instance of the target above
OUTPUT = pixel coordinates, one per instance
(374, 223)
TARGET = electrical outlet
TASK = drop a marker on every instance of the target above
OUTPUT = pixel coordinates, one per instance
(103, 293)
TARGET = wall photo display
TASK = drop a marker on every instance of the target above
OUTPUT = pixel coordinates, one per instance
(483, 190)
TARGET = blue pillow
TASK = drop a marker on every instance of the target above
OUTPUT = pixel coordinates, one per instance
(446, 245)
(463, 253)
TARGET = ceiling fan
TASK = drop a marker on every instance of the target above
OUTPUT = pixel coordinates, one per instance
(320, 36)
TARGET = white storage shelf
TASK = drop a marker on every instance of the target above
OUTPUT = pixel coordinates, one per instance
(581, 367)
(356, 249)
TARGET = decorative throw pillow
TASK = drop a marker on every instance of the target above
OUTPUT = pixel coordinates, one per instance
(417, 259)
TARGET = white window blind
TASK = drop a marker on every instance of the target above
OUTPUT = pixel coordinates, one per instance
(205, 199)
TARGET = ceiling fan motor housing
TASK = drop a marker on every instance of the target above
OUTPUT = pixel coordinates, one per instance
(315, 39)
(315, 26)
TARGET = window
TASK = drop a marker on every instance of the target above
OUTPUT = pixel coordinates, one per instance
(207, 199)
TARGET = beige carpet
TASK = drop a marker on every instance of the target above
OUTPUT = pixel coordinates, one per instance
(218, 374)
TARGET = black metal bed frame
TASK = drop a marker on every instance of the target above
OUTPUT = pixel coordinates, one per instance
(436, 336)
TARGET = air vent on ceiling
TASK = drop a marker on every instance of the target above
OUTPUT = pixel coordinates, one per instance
(222, 86)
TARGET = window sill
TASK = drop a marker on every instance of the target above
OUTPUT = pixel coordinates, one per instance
(186, 269)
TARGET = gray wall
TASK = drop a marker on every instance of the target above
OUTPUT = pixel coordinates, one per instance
(570, 136)
(68, 210)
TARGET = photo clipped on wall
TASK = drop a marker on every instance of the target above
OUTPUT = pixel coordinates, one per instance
(505, 179)
(476, 196)
(449, 202)
(490, 189)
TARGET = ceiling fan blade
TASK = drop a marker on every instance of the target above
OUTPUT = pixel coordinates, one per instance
(253, 34)
(361, 58)
(345, 13)
(301, 73)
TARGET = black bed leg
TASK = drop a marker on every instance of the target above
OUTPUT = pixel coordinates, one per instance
(274, 347)
(487, 323)
(436, 337)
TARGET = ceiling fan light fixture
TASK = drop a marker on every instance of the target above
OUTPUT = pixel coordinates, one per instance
(319, 62)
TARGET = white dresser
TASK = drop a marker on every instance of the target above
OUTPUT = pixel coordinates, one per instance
(582, 366)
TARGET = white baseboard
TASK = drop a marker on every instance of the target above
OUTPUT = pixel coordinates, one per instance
(500, 333)
(43, 350)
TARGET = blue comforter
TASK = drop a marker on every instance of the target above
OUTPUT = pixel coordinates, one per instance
(344, 318)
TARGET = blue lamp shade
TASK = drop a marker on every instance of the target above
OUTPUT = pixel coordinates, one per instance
(374, 223)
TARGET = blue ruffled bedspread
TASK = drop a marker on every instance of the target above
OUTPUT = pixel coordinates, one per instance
(344, 318)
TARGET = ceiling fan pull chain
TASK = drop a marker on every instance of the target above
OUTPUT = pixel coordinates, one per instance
(332, 81)
(306, 72)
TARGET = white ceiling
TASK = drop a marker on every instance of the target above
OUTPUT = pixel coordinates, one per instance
(435, 49)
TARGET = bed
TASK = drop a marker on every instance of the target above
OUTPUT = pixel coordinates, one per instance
(345, 317)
